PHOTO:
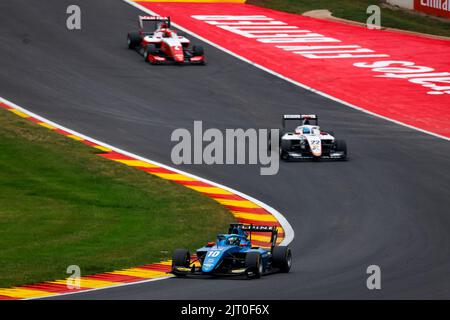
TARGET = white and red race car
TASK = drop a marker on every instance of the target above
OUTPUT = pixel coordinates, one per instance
(308, 141)
(158, 43)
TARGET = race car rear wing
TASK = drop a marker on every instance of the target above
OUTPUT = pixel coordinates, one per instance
(256, 228)
(142, 19)
(300, 117)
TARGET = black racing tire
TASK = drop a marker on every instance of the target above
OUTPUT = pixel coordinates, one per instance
(285, 146)
(282, 258)
(269, 138)
(180, 258)
(281, 134)
(253, 265)
(133, 40)
(341, 146)
(150, 49)
(198, 50)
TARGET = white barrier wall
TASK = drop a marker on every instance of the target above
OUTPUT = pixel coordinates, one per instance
(407, 4)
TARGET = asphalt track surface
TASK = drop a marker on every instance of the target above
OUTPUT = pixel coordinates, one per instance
(389, 205)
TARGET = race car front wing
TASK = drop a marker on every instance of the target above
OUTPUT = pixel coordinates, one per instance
(338, 155)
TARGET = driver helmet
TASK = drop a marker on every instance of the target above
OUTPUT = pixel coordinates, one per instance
(306, 130)
(233, 241)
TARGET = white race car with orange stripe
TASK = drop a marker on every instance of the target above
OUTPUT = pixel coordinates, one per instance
(308, 141)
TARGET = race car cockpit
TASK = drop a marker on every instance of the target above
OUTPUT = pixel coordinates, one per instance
(233, 241)
(306, 130)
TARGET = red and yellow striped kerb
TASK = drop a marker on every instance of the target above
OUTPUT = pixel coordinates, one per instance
(244, 211)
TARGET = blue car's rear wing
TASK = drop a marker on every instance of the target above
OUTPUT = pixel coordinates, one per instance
(234, 228)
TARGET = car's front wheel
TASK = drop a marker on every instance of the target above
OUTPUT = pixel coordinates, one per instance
(150, 50)
(285, 146)
(198, 50)
(180, 258)
(341, 146)
(253, 265)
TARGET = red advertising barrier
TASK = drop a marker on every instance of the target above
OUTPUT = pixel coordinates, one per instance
(398, 76)
(439, 8)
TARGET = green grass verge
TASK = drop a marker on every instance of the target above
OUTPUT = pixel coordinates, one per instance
(61, 205)
(356, 10)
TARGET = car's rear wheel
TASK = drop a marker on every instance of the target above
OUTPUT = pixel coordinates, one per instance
(133, 40)
(253, 265)
(282, 258)
(180, 258)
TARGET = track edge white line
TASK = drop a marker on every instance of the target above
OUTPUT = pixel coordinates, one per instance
(288, 230)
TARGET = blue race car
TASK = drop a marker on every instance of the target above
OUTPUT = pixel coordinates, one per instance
(233, 254)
